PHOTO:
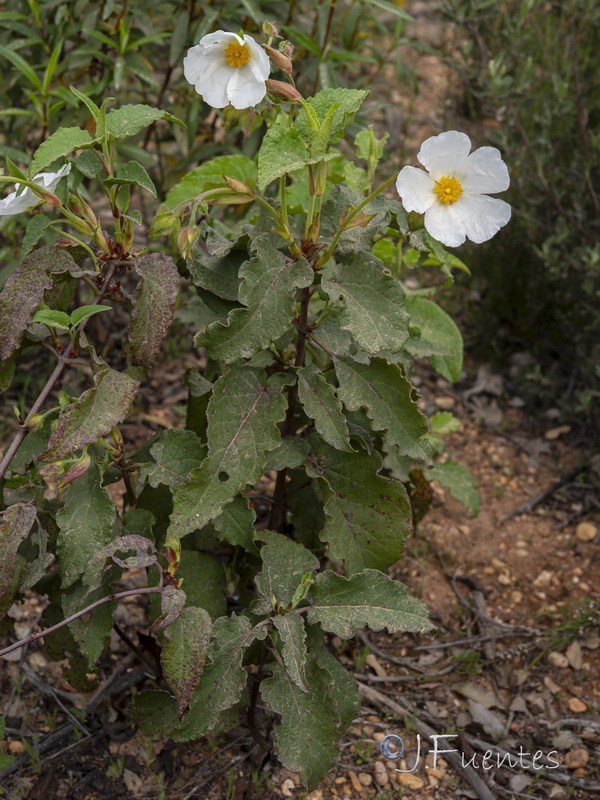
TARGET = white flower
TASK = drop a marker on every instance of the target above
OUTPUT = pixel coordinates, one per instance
(453, 192)
(226, 69)
(17, 204)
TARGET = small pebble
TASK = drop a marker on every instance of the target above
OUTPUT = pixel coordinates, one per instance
(445, 403)
(577, 759)
(358, 787)
(586, 532)
(286, 787)
(365, 778)
(558, 660)
(410, 781)
(381, 776)
(576, 706)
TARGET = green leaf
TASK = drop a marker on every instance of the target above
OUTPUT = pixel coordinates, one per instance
(33, 233)
(85, 524)
(24, 291)
(184, 653)
(172, 602)
(53, 319)
(83, 312)
(342, 690)
(444, 422)
(132, 173)
(383, 390)
(217, 275)
(347, 103)
(460, 483)
(89, 103)
(437, 337)
(322, 405)
(94, 414)
(210, 175)
(92, 632)
(306, 740)
(371, 301)
(344, 606)
(290, 454)
(7, 372)
(293, 635)
(131, 119)
(235, 524)
(36, 565)
(22, 65)
(243, 414)
(391, 8)
(268, 292)
(284, 565)
(368, 516)
(155, 713)
(59, 144)
(145, 556)
(153, 307)
(15, 526)
(223, 680)
(283, 151)
(204, 582)
(175, 452)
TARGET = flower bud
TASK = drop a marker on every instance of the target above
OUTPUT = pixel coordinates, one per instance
(231, 117)
(360, 220)
(238, 186)
(52, 200)
(233, 199)
(283, 91)
(287, 48)
(186, 240)
(279, 60)
(249, 121)
(270, 29)
(163, 224)
(35, 423)
(77, 470)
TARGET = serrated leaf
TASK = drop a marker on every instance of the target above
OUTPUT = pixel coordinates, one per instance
(284, 565)
(153, 307)
(235, 524)
(268, 292)
(172, 602)
(83, 312)
(210, 175)
(94, 414)
(370, 301)
(33, 233)
(217, 275)
(460, 483)
(383, 390)
(53, 319)
(348, 101)
(58, 145)
(369, 516)
(306, 740)
(24, 290)
(293, 635)
(16, 523)
(342, 690)
(344, 606)
(36, 567)
(86, 524)
(223, 680)
(155, 713)
(283, 151)
(131, 119)
(437, 337)
(184, 653)
(132, 173)
(322, 405)
(243, 414)
(175, 452)
(290, 454)
(93, 571)
(204, 582)
(92, 631)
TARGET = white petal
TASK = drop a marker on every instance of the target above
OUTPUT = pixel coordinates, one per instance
(444, 154)
(259, 60)
(415, 187)
(484, 172)
(244, 90)
(444, 224)
(482, 216)
(209, 73)
(11, 204)
(49, 180)
(218, 38)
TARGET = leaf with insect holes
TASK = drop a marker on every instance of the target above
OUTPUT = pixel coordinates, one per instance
(153, 307)
(94, 414)
(85, 524)
(15, 526)
(270, 279)
(370, 300)
(368, 517)
(344, 606)
(184, 653)
(235, 524)
(243, 414)
(459, 481)
(175, 453)
(322, 405)
(24, 291)
(172, 602)
(383, 390)
(223, 679)
(284, 565)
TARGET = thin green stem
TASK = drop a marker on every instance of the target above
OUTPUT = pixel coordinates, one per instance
(328, 252)
(77, 241)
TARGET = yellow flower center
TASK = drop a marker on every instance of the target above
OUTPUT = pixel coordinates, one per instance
(237, 55)
(448, 190)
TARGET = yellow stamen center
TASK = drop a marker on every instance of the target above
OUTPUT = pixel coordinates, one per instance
(448, 190)
(237, 55)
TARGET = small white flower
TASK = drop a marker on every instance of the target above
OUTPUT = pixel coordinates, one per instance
(453, 192)
(226, 69)
(17, 204)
